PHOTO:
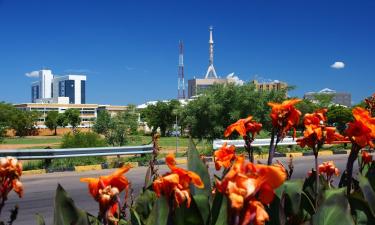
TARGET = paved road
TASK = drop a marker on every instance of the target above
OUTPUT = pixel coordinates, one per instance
(40, 189)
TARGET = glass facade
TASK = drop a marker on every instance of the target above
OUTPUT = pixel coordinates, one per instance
(34, 93)
(69, 91)
(83, 92)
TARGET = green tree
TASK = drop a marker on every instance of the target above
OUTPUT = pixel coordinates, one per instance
(161, 115)
(117, 129)
(219, 106)
(323, 100)
(24, 122)
(73, 118)
(61, 120)
(52, 121)
(339, 116)
(6, 112)
(102, 123)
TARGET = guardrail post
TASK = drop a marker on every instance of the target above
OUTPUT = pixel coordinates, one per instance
(47, 163)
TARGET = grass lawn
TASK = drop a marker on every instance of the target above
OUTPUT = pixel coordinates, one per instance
(32, 140)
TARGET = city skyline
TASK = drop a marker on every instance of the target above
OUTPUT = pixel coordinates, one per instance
(130, 52)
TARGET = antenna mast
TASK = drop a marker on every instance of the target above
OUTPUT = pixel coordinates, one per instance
(181, 80)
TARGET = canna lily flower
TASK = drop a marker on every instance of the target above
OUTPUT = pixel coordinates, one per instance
(285, 116)
(329, 169)
(243, 127)
(224, 156)
(366, 158)
(362, 130)
(175, 184)
(249, 186)
(316, 132)
(106, 189)
(10, 173)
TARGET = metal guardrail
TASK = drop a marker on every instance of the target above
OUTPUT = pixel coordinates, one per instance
(257, 142)
(75, 152)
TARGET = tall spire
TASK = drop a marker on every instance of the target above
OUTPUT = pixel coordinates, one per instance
(211, 73)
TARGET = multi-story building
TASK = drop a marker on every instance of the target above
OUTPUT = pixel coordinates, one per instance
(269, 86)
(88, 112)
(197, 86)
(69, 89)
(340, 98)
(113, 110)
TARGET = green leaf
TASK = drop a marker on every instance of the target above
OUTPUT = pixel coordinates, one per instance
(196, 165)
(370, 174)
(292, 189)
(219, 214)
(360, 209)
(134, 217)
(160, 212)
(191, 216)
(368, 192)
(143, 205)
(66, 213)
(334, 209)
(203, 205)
(39, 219)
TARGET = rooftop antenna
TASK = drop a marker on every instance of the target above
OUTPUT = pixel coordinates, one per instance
(181, 79)
(211, 73)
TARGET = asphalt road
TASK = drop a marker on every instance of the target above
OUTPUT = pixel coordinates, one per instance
(40, 189)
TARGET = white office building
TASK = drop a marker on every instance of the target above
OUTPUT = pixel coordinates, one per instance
(68, 89)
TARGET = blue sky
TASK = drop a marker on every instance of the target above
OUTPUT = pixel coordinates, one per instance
(129, 49)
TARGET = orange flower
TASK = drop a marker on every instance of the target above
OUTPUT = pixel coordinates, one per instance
(366, 158)
(10, 173)
(316, 131)
(329, 169)
(176, 183)
(243, 127)
(248, 186)
(362, 130)
(285, 116)
(106, 189)
(224, 156)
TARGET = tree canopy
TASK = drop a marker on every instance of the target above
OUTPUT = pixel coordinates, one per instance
(221, 105)
(162, 115)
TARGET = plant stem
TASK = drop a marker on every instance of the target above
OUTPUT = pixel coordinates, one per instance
(249, 149)
(316, 175)
(273, 147)
(349, 166)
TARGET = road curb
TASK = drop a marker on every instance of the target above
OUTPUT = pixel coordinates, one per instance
(87, 168)
(33, 172)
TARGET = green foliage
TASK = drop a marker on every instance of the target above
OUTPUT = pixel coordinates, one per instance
(339, 116)
(66, 212)
(323, 100)
(162, 115)
(61, 120)
(118, 128)
(6, 112)
(51, 120)
(196, 165)
(82, 140)
(23, 122)
(335, 207)
(72, 117)
(102, 123)
(221, 105)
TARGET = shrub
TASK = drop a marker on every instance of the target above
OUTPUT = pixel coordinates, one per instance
(82, 140)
